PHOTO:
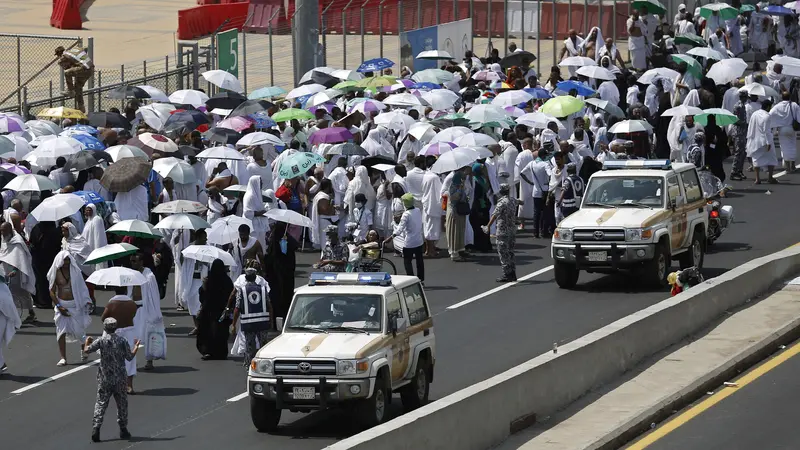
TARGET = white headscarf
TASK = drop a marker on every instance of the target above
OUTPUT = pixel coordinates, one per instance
(375, 144)
(79, 290)
(77, 247)
(360, 185)
(252, 197)
(94, 232)
(15, 252)
(598, 42)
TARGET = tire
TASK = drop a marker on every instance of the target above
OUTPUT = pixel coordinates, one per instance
(384, 265)
(656, 271)
(566, 275)
(416, 393)
(695, 255)
(264, 415)
(374, 410)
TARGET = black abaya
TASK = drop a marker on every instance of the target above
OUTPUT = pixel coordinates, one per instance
(45, 244)
(212, 334)
(280, 268)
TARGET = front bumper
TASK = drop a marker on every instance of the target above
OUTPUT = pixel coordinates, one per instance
(326, 390)
(616, 254)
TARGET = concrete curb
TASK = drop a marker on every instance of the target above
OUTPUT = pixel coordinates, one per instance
(486, 413)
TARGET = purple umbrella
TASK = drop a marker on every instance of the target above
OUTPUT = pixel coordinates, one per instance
(9, 124)
(330, 136)
(15, 169)
(326, 106)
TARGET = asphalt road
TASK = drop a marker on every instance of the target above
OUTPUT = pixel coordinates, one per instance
(184, 403)
(761, 414)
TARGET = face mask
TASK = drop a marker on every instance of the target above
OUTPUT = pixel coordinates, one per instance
(283, 244)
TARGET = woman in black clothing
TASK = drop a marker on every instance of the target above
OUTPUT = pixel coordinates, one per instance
(45, 244)
(281, 262)
(479, 215)
(212, 333)
(716, 147)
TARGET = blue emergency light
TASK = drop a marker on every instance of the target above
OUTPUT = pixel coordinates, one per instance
(365, 278)
(656, 164)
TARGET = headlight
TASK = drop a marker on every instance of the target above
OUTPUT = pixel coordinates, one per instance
(563, 234)
(352, 366)
(638, 234)
(261, 366)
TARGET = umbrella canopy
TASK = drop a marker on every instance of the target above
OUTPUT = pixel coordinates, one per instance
(207, 254)
(17, 145)
(580, 88)
(596, 73)
(512, 98)
(777, 10)
(434, 55)
(331, 135)
(562, 106)
(450, 134)
(727, 70)
(110, 252)
(690, 39)
(437, 148)
(235, 190)
(61, 113)
(220, 152)
(347, 149)
(266, 92)
(90, 197)
(437, 76)
(475, 140)
(650, 75)
(396, 120)
(486, 75)
(317, 77)
(368, 106)
(297, 164)
(125, 92)
(223, 80)
(441, 99)
(486, 113)
(155, 115)
(156, 95)
(31, 183)
(454, 160)
(117, 276)
(682, 110)
(43, 128)
(126, 174)
(693, 66)
(5, 177)
(538, 93)
(747, 8)
(225, 100)
(86, 159)
(260, 138)
(323, 97)
(538, 120)
(179, 207)
(520, 59)
(375, 65)
(57, 207)
(135, 228)
(9, 124)
(722, 117)
(290, 114)
(577, 61)
(724, 10)
(606, 106)
(182, 222)
(179, 170)
(158, 143)
(251, 107)
(373, 83)
(760, 90)
(189, 97)
(222, 136)
(108, 120)
(118, 152)
(652, 6)
(15, 169)
(422, 131)
(706, 52)
(238, 123)
(225, 230)
(630, 126)
(89, 142)
(425, 86)
(49, 151)
(290, 217)
(304, 90)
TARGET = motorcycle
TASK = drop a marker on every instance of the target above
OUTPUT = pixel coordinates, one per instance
(719, 217)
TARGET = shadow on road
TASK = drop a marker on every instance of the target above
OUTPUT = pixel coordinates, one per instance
(168, 392)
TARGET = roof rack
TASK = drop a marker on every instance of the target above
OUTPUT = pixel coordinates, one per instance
(655, 164)
(350, 278)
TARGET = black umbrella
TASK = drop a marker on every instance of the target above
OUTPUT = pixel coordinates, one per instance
(348, 149)
(225, 100)
(183, 122)
(183, 106)
(125, 91)
(5, 177)
(85, 159)
(109, 120)
(372, 160)
(322, 78)
(222, 136)
(521, 59)
(251, 107)
(188, 150)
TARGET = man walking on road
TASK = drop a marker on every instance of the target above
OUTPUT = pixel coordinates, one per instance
(254, 310)
(111, 376)
(504, 217)
(78, 68)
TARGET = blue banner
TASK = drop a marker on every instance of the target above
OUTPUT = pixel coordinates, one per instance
(414, 42)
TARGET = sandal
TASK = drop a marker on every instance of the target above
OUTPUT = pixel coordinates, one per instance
(772, 181)
(148, 366)
(62, 362)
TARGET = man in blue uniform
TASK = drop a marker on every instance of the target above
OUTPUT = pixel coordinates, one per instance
(571, 192)
(254, 310)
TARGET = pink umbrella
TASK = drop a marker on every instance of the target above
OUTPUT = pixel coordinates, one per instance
(437, 148)
(15, 169)
(513, 111)
(238, 123)
(330, 136)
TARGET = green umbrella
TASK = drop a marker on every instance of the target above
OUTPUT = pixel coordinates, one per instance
(110, 252)
(723, 117)
(747, 8)
(292, 114)
(653, 6)
(694, 66)
(135, 228)
(562, 106)
(374, 83)
(725, 11)
(690, 39)
(297, 164)
(450, 120)
(348, 86)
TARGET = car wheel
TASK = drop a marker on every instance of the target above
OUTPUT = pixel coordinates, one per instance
(657, 269)
(415, 394)
(264, 415)
(695, 255)
(566, 275)
(373, 411)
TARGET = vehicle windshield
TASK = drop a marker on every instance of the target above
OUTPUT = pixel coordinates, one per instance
(336, 313)
(623, 191)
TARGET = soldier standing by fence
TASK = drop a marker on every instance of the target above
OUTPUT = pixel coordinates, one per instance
(78, 68)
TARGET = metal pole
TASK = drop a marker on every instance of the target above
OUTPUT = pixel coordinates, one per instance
(436, 6)
(380, 26)
(122, 81)
(166, 69)
(24, 110)
(361, 13)
(271, 65)
(600, 15)
(472, 16)
(344, 34)
(569, 15)
(90, 52)
(100, 85)
(586, 18)
(51, 93)
(324, 32)
(419, 14)
(505, 21)
(294, 52)
(614, 20)
(244, 59)
(455, 10)
(522, 24)
(19, 74)
(555, 28)
(539, 37)
(212, 60)
(144, 71)
(400, 22)
(489, 21)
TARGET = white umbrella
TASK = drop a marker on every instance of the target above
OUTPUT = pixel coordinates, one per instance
(367, 106)
(343, 74)
(436, 148)
(189, 97)
(221, 112)
(20, 145)
(441, 99)
(155, 115)
(475, 140)
(682, 110)
(307, 76)
(538, 120)
(323, 97)
(422, 131)
(727, 70)
(454, 160)
(118, 152)
(179, 170)
(220, 152)
(405, 100)
(31, 183)
(57, 207)
(290, 217)
(512, 98)
(606, 106)
(450, 134)
(159, 143)
(577, 61)
(135, 228)
(396, 120)
(596, 73)
(207, 254)
(705, 52)
(226, 229)
(182, 222)
(48, 151)
(110, 252)
(156, 94)
(117, 276)
(306, 89)
(630, 126)
(760, 90)
(434, 54)
(486, 113)
(43, 128)
(437, 76)
(260, 138)
(651, 74)
(223, 80)
(486, 75)
(179, 206)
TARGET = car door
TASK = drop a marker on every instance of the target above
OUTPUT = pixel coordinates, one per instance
(677, 223)
(695, 206)
(399, 356)
(419, 318)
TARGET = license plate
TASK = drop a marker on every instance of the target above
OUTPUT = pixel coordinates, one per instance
(597, 256)
(304, 393)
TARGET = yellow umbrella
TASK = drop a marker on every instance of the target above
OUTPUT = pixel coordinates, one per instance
(373, 83)
(62, 113)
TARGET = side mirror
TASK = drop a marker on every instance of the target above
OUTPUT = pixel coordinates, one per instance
(394, 324)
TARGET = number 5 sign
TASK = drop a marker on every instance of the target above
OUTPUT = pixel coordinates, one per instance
(228, 52)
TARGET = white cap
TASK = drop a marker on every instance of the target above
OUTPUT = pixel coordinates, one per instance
(681, 7)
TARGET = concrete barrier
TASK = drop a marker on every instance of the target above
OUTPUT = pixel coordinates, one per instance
(484, 414)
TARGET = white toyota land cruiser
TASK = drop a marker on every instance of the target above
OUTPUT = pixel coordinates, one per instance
(349, 340)
(635, 215)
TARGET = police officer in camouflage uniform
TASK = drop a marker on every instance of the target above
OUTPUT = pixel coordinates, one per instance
(78, 68)
(505, 217)
(112, 378)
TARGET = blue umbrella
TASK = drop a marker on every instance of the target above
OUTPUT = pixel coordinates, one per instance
(777, 10)
(266, 92)
(262, 119)
(88, 142)
(374, 65)
(569, 85)
(538, 93)
(425, 85)
(90, 197)
(84, 128)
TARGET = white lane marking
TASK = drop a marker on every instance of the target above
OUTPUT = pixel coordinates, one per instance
(499, 288)
(238, 397)
(55, 377)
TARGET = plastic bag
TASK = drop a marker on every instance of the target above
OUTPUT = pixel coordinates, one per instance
(155, 346)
